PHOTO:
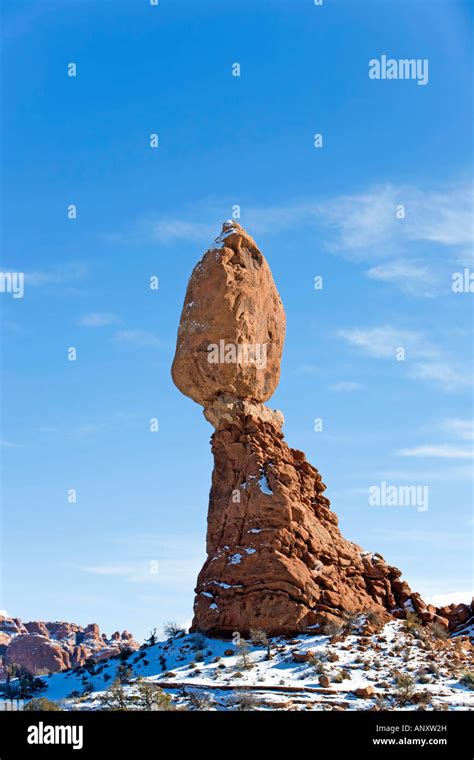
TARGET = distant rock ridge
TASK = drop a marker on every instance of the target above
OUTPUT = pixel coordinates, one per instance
(276, 557)
(41, 647)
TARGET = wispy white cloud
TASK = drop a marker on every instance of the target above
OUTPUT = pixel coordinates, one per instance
(306, 369)
(98, 319)
(362, 224)
(415, 253)
(459, 427)
(61, 276)
(88, 429)
(166, 230)
(346, 386)
(367, 223)
(137, 337)
(133, 572)
(438, 451)
(384, 340)
(424, 360)
(412, 278)
(170, 561)
(443, 374)
(10, 445)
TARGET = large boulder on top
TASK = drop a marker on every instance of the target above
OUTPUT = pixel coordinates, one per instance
(232, 326)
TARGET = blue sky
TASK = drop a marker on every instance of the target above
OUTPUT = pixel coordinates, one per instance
(225, 140)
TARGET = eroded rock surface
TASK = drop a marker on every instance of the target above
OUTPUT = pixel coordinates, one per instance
(276, 557)
(41, 647)
(231, 301)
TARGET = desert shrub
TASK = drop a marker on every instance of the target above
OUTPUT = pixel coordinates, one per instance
(90, 666)
(260, 637)
(374, 619)
(424, 678)
(381, 703)
(26, 685)
(197, 700)
(333, 628)
(318, 664)
(439, 631)
(174, 631)
(467, 679)
(151, 697)
(161, 660)
(115, 698)
(412, 622)
(423, 697)
(198, 641)
(41, 703)
(243, 701)
(124, 673)
(244, 662)
(125, 652)
(404, 691)
(199, 656)
(350, 621)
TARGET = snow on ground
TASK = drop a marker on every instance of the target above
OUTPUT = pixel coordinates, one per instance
(217, 671)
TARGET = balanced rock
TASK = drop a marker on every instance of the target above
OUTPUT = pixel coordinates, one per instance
(231, 311)
(276, 558)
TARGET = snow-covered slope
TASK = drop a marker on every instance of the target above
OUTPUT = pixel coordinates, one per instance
(225, 678)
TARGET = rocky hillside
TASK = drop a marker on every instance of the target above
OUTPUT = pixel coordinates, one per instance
(364, 666)
(40, 647)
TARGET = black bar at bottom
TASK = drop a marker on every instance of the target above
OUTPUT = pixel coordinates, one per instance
(127, 734)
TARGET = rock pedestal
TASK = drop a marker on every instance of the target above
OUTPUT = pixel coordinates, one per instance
(275, 556)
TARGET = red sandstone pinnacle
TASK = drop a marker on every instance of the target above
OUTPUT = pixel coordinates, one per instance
(276, 558)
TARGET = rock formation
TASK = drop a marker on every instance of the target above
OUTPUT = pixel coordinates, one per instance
(40, 647)
(231, 303)
(276, 558)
